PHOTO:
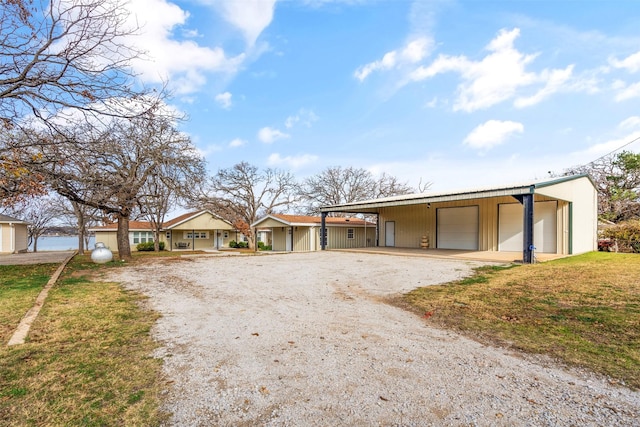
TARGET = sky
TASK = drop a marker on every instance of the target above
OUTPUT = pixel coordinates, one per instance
(460, 94)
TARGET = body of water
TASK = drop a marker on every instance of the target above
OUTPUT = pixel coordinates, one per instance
(60, 243)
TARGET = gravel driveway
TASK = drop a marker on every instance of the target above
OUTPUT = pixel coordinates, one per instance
(307, 340)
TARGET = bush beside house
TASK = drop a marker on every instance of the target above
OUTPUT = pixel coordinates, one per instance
(148, 246)
(623, 237)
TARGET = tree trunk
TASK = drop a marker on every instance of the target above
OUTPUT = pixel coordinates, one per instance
(124, 249)
(156, 240)
(81, 233)
(35, 244)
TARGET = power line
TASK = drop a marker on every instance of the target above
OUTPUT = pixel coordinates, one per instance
(613, 151)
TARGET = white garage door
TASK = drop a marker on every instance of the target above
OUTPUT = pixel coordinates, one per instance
(510, 225)
(458, 228)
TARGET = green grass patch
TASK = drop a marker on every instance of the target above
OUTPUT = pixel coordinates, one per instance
(19, 288)
(582, 310)
(87, 360)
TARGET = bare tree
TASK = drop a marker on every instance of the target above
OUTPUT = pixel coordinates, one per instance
(18, 180)
(78, 216)
(61, 60)
(106, 166)
(64, 57)
(39, 212)
(243, 193)
(337, 185)
(165, 190)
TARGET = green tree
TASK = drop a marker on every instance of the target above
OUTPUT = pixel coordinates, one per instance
(617, 178)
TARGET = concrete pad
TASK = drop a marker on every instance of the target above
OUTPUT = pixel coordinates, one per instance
(47, 257)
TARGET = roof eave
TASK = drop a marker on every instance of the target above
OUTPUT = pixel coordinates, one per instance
(369, 206)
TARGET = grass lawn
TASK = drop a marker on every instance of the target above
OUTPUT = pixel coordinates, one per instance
(19, 288)
(583, 310)
(87, 360)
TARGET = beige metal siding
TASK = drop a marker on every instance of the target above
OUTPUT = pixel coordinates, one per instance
(22, 238)
(109, 239)
(337, 237)
(280, 238)
(270, 223)
(204, 222)
(301, 239)
(414, 221)
(584, 198)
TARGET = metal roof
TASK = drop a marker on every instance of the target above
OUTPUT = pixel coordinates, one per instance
(448, 196)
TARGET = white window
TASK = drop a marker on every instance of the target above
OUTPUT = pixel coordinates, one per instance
(168, 235)
(350, 233)
(196, 235)
(142, 237)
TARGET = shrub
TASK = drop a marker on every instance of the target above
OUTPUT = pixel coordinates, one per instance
(626, 236)
(233, 244)
(242, 245)
(148, 246)
(261, 245)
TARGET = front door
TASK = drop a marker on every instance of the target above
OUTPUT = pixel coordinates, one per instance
(289, 238)
(390, 233)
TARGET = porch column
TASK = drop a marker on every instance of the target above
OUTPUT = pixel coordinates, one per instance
(527, 230)
(323, 230)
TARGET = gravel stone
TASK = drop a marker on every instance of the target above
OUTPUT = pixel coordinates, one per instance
(308, 339)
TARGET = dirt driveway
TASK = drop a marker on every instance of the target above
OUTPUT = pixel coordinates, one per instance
(307, 340)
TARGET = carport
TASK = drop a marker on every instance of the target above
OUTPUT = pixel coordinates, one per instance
(534, 220)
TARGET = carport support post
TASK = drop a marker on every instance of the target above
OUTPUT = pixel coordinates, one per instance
(323, 227)
(527, 237)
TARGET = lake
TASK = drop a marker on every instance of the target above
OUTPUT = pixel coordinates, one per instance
(60, 243)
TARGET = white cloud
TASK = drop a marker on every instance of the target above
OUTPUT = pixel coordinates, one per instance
(269, 135)
(498, 76)
(251, 17)
(208, 150)
(237, 142)
(413, 52)
(292, 162)
(631, 63)
(184, 63)
(492, 133)
(555, 81)
(630, 122)
(224, 99)
(611, 145)
(628, 92)
(303, 116)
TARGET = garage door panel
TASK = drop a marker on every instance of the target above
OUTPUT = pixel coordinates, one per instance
(458, 228)
(510, 225)
(545, 230)
(510, 218)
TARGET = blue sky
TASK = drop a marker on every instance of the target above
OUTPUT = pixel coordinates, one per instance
(458, 93)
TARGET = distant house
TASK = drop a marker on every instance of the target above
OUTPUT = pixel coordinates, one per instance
(195, 231)
(14, 236)
(301, 233)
